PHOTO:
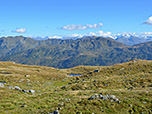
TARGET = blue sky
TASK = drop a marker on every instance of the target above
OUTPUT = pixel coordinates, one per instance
(65, 17)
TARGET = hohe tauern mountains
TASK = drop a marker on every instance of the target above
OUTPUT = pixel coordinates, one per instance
(59, 53)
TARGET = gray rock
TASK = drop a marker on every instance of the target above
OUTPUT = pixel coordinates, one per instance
(112, 96)
(21, 80)
(61, 104)
(23, 106)
(63, 87)
(119, 101)
(55, 112)
(104, 97)
(100, 96)
(106, 84)
(23, 90)
(96, 70)
(92, 97)
(27, 75)
(130, 88)
(28, 80)
(130, 105)
(31, 91)
(122, 69)
(67, 99)
(2, 85)
(95, 81)
(144, 102)
(28, 84)
(11, 87)
(17, 87)
(116, 100)
(58, 108)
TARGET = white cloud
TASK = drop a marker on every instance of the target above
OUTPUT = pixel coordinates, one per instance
(21, 30)
(81, 27)
(148, 21)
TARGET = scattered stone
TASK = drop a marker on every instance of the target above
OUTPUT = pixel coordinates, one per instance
(63, 80)
(149, 85)
(96, 70)
(77, 78)
(27, 75)
(92, 97)
(31, 91)
(28, 80)
(23, 106)
(112, 96)
(130, 111)
(122, 69)
(63, 87)
(119, 102)
(61, 104)
(100, 96)
(116, 100)
(54, 112)
(95, 81)
(23, 90)
(21, 80)
(130, 88)
(104, 97)
(134, 61)
(28, 84)
(2, 85)
(130, 105)
(67, 99)
(106, 84)
(11, 87)
(58, 108)
(17, 87)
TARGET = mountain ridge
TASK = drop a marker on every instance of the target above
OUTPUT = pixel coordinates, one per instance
(68, 53)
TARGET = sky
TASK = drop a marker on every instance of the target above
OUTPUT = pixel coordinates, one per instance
(67, 17)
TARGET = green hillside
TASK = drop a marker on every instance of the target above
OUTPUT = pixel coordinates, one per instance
(119, 89)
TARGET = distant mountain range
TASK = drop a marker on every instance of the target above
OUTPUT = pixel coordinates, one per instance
(132, 39)
(69, 52)
(125, 38)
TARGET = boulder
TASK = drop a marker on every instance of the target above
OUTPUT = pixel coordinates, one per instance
(112, 96)
(92, 97)
(31, 91)
(17, 87)
(23, 90)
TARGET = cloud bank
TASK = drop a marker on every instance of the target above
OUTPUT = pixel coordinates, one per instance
(148, 21)
(81, 27)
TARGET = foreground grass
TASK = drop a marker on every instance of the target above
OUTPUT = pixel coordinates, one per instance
(130, 82)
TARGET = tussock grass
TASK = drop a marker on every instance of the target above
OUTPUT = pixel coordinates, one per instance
(130, 82)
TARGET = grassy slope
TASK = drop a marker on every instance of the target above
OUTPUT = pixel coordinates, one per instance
(48, 83)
